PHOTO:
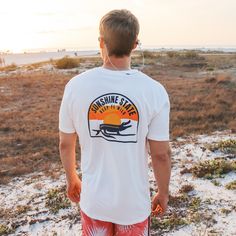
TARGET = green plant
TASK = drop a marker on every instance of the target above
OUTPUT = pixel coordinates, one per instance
(178, 201)
(212, 168)
(4, 230)
(169, 222)
(231, 185)
(225, 211)
(56, 199)
(226, 146)
(215, 182)
(195, 203)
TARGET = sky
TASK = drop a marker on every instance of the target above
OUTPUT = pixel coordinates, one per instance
(55, 24)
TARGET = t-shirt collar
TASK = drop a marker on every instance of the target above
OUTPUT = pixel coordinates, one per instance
(109, 71)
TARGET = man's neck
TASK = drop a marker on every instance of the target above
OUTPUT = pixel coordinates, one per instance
(117, 63)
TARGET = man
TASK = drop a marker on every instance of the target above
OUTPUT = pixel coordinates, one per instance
(119, 114)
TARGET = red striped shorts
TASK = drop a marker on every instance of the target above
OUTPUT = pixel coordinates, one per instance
(94, 227)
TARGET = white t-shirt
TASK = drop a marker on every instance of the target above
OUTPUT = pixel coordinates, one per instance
(113, 113)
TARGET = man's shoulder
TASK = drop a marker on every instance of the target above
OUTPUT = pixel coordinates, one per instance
(151, 82)
(85, 73)
(77, 78)
(156, 90)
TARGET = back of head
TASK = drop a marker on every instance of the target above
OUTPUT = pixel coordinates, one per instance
(120, 29)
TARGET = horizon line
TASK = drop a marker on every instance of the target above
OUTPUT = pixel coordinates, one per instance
(144, 47)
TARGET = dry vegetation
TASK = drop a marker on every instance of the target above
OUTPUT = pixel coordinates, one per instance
(200, 103)
(29, 123)
(231, 185)
(211, 168)
(11, 67)
(67, 63)
(226, 146)
(183, 210)
(56, 199)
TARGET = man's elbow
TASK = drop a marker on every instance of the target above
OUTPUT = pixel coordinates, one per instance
(63, 146)
(67, 141)
(162, 157)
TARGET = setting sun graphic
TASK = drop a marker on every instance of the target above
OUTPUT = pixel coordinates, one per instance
(112, 118)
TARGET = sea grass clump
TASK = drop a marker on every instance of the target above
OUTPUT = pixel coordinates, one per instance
(56, 199)
(213, 168)
(67, 63)
(186, 188)
(227, 146)
(231, 185)
(5, 230)
(168, 223)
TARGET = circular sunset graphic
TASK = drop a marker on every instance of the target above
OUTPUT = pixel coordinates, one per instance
(113, 117)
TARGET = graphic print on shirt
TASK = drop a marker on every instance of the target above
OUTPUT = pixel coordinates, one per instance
(114, 117)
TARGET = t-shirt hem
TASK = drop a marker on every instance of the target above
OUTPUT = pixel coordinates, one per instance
(114, 220)
(157, 138)
(68, 131)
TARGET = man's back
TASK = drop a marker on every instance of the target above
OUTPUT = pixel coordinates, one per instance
(113, 113)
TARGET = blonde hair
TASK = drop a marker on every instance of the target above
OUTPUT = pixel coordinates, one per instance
(120, 29)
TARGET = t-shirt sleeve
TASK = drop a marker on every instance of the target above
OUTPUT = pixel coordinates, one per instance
(158, 128)
(66, 124)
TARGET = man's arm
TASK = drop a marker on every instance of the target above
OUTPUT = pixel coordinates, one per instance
(161, 162)
(67, 154)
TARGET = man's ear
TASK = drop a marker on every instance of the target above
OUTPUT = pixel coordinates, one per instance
(101, 42)
(135, 45)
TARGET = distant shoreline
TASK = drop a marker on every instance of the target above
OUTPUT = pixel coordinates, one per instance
(36, 57)
(222, 48)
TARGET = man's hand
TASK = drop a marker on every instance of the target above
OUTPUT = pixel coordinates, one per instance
(162, 200)
(67, 154)
(74, 189)
(161, 162)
